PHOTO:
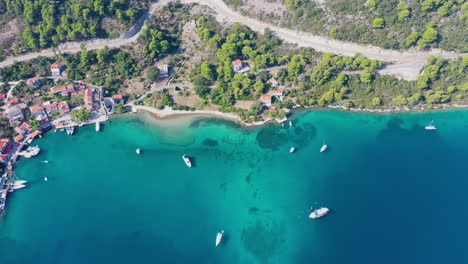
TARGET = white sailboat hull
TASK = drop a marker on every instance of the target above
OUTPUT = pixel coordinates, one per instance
(219, 237)
(323, 148)
(187, 161)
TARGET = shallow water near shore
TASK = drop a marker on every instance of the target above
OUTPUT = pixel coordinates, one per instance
(397, 192)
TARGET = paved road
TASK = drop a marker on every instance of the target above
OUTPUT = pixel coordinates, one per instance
(407, 64)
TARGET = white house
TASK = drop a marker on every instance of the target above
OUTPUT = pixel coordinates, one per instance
(56, 69)
(239, 66)
(163, 71)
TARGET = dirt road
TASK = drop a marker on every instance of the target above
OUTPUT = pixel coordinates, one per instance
(406, 64)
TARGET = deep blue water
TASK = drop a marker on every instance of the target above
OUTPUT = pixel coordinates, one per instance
(397, 192)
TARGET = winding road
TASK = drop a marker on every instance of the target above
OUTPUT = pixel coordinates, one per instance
(406, 64)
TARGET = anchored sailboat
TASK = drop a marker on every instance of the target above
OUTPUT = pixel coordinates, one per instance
(219, 237)
(430, 126)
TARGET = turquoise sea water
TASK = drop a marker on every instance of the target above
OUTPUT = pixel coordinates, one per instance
(398, 193)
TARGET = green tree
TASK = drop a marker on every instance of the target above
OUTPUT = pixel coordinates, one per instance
(35, 124)
(412, 39)
(259, 87)
(119, 108)
(257, 108)
(399, 100)
(378, 23)
(152, 74)
(367, 75)
(428, 37)
(81, 115)
(207, 71)
(376, 101)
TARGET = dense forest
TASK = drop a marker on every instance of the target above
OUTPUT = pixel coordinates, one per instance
(50, 22)
(315, 79)
(393, 24)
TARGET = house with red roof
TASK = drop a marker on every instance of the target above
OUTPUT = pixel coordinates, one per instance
(88, 98)
(33, 82)
(5, 147)
(13, 101)
(63, 108)
(266, 99)
(37, 110)
(118, 98)
(18, 138)
(239, 66)
(56, 69)
(277, 93)
(23, 128)
(50, 107)
(34, 134)
(58, 89)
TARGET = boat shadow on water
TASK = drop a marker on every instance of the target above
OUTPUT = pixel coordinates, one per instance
(225, 240)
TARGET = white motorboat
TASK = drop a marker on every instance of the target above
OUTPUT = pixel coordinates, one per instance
(282, 124)
(30, 152)
(323, 148)
(19, 182)
(430, 126)
(317, 213)
(70, 130)
(292, 149)
(45, 161)
(46, 179)
(187, 160)
(290, 123)
(98, 126)
(219, 237)
(19, 186)
(138, 151)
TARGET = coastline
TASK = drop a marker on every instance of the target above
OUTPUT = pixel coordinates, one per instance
(168, 113)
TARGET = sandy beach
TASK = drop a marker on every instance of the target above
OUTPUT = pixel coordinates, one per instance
(167, 113)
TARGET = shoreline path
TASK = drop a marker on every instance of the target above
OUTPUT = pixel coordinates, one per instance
(406, 64)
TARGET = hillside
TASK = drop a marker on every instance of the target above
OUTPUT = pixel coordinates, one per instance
(389, 24)
(27, 25)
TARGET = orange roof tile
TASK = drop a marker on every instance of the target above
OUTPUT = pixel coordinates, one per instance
(13, 101)
(237, 62)
(35, 108)
(117, 96)
(18, 138)
(265, 97)
(34, 134)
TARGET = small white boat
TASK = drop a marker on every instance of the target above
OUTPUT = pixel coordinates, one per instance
(19, 182)
(219, 237)
(317, 213)
(323, 148)
(282, 124)
(46, 179)
(292, 149)
(138, 151)
(187, 160)
(98, 126)
(290, 123)
(70, 130)
(430, 126)
(45, 161)
(19, 186)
